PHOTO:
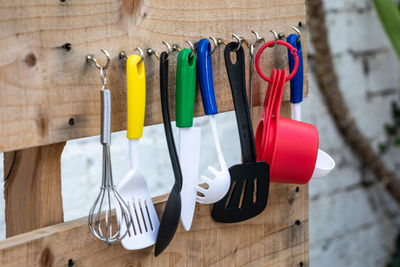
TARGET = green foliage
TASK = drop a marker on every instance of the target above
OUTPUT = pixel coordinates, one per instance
(389, 14)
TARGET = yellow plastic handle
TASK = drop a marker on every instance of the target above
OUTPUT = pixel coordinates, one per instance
(136, 96)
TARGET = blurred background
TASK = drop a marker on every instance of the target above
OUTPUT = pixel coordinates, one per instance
(353, 219)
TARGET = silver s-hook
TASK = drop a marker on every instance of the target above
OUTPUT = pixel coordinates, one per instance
(240, 40)
(276, 36)
(251, 67)
(151, 51)
(258, 38)
(92, 59)
(103, 76)
(123, 55)
(298, 33)
(191, 48)
(217, 42)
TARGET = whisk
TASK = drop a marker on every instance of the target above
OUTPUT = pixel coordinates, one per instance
(108, 203)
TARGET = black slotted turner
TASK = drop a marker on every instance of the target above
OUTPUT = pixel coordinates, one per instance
(248, 195)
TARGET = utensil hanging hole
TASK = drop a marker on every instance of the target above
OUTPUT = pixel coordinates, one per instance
(148, 215)
(144, 220)
(233, 57)
(255, 190)
(192, 60)
(242, 194)
(297, 189)
(71, 122)
(228, 200)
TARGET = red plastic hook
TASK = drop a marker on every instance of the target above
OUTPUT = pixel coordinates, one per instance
(293, 51)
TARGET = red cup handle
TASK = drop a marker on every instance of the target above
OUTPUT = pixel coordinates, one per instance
(293, 51)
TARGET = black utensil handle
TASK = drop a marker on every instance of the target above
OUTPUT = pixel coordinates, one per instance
(167, 121)
(237, 80)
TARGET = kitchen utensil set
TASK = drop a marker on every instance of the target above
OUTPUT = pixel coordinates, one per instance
(283, 150)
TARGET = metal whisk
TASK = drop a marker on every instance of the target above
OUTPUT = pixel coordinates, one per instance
(109, 204)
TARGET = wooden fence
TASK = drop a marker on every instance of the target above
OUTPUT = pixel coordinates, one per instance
(50, 95)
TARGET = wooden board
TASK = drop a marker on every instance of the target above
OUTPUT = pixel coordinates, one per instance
(277, 237)
(32, 188)
(49, 94)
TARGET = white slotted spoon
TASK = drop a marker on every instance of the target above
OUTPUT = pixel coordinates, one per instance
(218, 186)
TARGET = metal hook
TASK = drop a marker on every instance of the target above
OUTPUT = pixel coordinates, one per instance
(276, 37)
(221, 41)
(238, 40)
(191, 48)
(216, 44)
(282, 36)
(258, 38)
(141, 53)
(123, 55)
(176, 47)
(151, 51)
(298, 33)
(91, 58)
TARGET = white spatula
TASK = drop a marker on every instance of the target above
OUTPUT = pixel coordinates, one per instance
(133, 188)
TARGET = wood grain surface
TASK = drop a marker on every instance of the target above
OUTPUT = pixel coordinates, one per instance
(49, 94)
(32, 188)
(277, 237)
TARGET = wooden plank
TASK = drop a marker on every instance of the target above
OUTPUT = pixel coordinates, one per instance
(48, 94)
(277, 237)
(32, 188)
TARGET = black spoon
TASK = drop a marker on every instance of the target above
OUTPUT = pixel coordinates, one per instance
(172, 212)
(248, 195)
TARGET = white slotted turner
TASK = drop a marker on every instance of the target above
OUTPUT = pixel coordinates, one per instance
(133, 188)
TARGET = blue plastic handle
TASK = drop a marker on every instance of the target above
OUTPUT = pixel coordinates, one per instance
(296, 84)
(206, 77)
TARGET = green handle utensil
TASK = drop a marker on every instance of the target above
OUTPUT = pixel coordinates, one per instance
(185, 88)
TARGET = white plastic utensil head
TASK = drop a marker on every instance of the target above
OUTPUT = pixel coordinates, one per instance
(133, 189)
(189, 159)
(324, 165)
(218, 186)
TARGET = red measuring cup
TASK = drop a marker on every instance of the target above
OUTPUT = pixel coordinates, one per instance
(290, 147)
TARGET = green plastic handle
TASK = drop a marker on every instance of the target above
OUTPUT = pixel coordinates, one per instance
(185, 88)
